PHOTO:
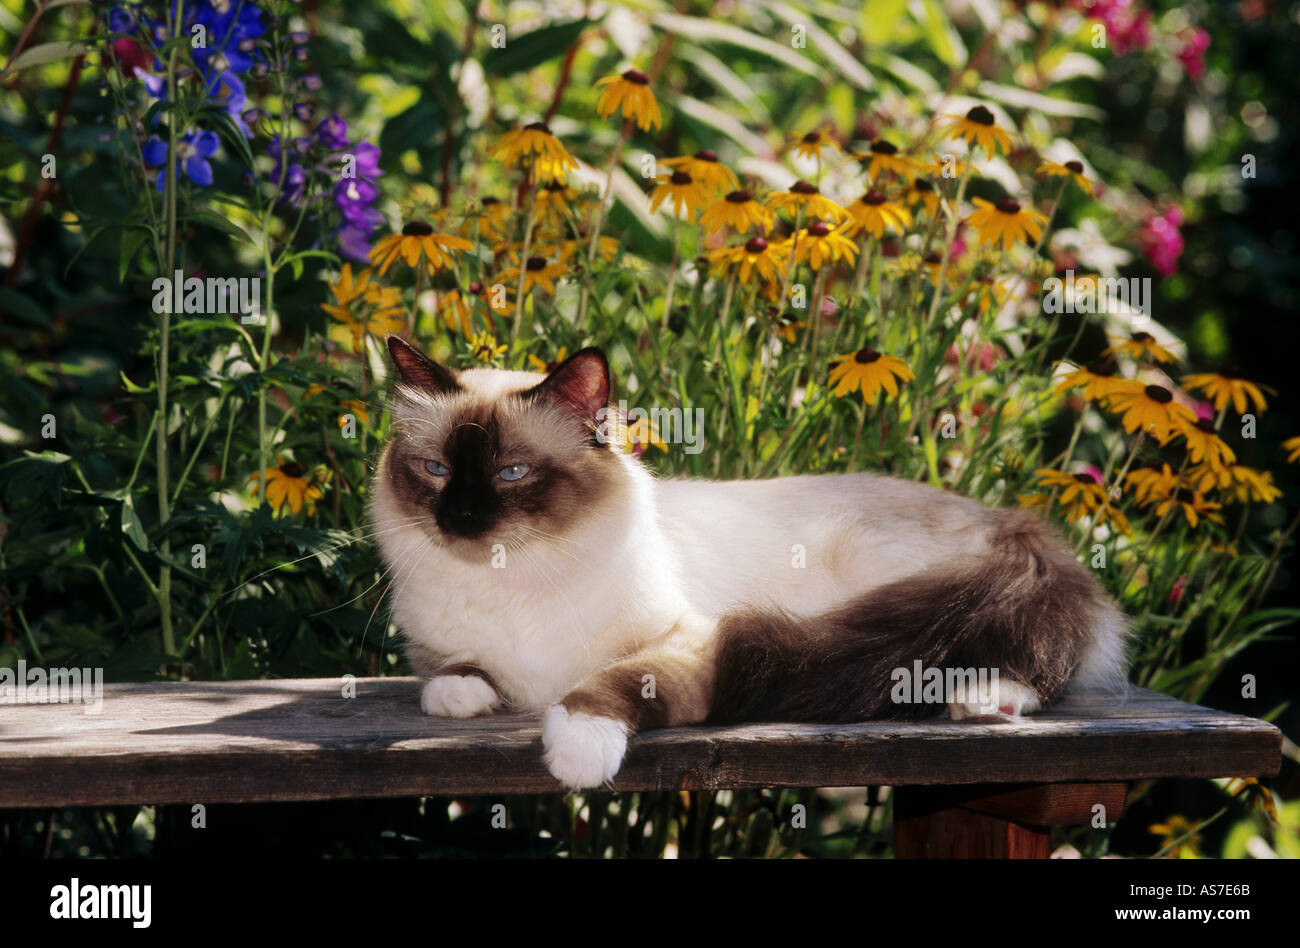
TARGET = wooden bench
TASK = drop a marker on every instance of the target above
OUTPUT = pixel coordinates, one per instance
(963, 789)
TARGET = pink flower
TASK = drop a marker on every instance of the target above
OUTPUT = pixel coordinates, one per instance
(1127, 28)
(1161, 241)
(1192, 55)
(1204, 411)
(1180, 587)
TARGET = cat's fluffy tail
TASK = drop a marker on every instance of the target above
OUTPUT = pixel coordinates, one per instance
(1027, 609)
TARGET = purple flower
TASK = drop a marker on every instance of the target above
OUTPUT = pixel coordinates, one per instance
(192, 153)
(354, 243)
(353, 196)
(332, 133)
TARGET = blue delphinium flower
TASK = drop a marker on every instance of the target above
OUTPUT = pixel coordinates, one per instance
(192, 153)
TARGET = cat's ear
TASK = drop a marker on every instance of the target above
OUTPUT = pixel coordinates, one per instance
(418, 371)
(580, 384)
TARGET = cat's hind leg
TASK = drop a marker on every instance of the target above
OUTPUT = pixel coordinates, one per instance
(459, 691)
(1006, 697)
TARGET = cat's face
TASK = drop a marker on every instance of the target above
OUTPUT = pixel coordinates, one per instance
(488, 456)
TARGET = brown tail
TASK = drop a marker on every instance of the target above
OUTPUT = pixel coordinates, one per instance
(1027, 609)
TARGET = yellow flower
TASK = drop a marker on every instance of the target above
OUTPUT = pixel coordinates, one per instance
(347, 289)
(869, 371)
(631, 91)
(756, 254)
(382, 311)
(1175, 828)
(945, 166)
(1081, 497)
(1292, 445)
(1148, 483)
(787, 327)
(922, 192)
(1219, 387)
(606, 249)
(810, 145)
(1071, 169)
(681, 191)
(1139, 345)
(288, 483)
(537, 272)
(806, 197)
(634, 438)
(455, 312)
(819, 245)
(705, 169)
(988, 292)
(1245, 483)
(417, 242)
(484, 347)
(874, 214)
(1204, 446)
(1153, 409)
(1098, 379)
(1191, 503)
(884, 158)
(1005, 222)
(549, 158)
(977, 128)
(489, 218)
(548, 367)
(553, 202)
(739, 211)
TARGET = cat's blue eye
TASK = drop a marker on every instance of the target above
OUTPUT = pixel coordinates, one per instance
(513, 472)
(436, 469)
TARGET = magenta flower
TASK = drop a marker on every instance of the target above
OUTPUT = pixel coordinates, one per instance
(1192, 55)
(1161, 241)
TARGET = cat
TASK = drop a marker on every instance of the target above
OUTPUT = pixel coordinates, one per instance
(537, 567)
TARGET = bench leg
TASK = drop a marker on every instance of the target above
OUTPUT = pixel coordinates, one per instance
(995, 821)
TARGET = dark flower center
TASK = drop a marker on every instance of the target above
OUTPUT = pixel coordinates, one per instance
(1206, 425)
(681, 177)
(873, 197)
(923, 185)
(865, 356)
(1158, 394)
(739, 197)
(1085, 478)
(1008, 206)
(1142, 337)
(883, 147)
(538, 127)
(637, 76)
(812, 138)
(1104, 367)
(417, 229)
(980, 115)
(755, 245)
(1075, 166)
(705, 155)
(1232, 371)
(803, 187)
(489, 201)
(292, 469)
(536, 263)
(819, 229)
(1184, 496)
(932, 257)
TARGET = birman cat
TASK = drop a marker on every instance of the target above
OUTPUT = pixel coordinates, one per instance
(538, 567)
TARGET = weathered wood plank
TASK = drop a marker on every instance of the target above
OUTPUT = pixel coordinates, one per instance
(301, 740)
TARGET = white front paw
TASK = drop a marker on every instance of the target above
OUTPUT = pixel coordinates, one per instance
(582, 750)
(1007, 698)
(458, 696)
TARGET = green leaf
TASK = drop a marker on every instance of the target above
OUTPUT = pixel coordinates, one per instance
(22, 307)
(418, 127)
(44, 53)
(699, 29)
(131, 242)
(229, 131)
(136, 389)
(131, 525)
(533, 49)
(939, 33)
(880, 20)
(211, 218)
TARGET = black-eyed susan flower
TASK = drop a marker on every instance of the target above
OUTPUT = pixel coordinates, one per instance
(1141, 345)
(1243, 483)
(1149, 482)
(418, 246)
(884, 158)
(288, 483)
(484, 347)
(1176, 828)
(1224, 386)
(810, 146)
(541, 365)
(805, 196)
(818, 245)
(1204, 446)
(922, 192)
(554, 203)
(739, 211)
(1005, 222)
(455, 311)
(1098, 380)
(380, 311)
(1081, 495)
(537, 272)
(1153, 409)
(681, 192)
(1071, 169)
(989, 292)
(978, 127)
(487, 219)
(787, 327)
(606, 248)
(630, 92)
(534, 145)
(705, 169)
(635, 436)
(869, 371)
(946, 166)
(1191, 503)
(873, 214)
(756, 255)
(1292, 445)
